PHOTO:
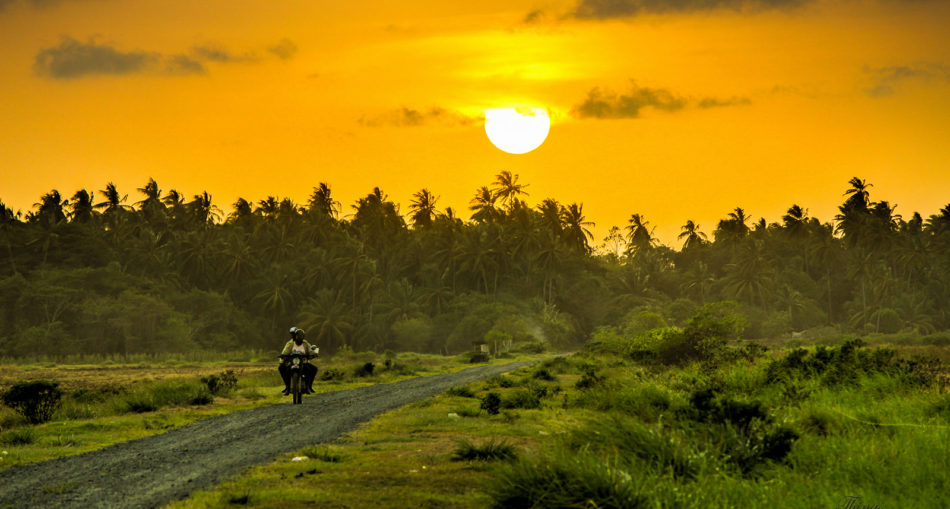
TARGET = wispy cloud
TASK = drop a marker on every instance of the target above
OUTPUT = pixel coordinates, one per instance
(611, 9)
(886, 80)
(606, 105)
(408, 117)
(72, 59)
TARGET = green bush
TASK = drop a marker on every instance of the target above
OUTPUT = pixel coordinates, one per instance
(332, 374)
(364, 370)
(489, 451)
(542, 373)
(630, 438)
(219, 385)
(491, 403)
(521, 399)
(35, 400)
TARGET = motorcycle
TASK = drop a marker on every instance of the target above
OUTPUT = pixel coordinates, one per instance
(298, 383)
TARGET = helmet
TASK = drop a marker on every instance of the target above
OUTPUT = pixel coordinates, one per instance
(293, 332)
(297, 334)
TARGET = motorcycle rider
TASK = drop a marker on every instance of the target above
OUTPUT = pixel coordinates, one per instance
(296, 344)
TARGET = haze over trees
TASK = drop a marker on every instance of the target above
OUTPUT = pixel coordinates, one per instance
(100, 272)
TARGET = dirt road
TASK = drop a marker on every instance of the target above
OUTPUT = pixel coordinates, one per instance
(153, 471)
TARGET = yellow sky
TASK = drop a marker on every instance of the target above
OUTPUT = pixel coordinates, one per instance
(293, 93)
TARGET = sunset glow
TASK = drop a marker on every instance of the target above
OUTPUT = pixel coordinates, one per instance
(679, 113)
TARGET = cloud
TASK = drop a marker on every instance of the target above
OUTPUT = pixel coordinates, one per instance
(75, 59)
(886, 80)
(611, 9)
(284, 49)
(609, 105)
(214, 53)
(408, 117)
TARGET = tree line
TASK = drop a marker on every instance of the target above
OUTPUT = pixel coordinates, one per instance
(97, 272)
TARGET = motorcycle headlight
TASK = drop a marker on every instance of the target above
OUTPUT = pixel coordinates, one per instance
(296, 361)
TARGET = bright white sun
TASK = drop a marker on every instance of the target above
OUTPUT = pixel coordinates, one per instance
(517, 131)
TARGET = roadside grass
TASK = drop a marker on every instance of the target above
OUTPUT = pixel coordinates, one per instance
(611, 432)
(99, 409)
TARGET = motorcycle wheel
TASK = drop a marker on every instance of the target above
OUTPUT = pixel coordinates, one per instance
(296, 387)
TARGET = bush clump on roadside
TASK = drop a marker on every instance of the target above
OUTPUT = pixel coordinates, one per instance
(332, 374)
(35, 400)
(489, 451)
(219, 385)
(462, 391)
(521, 399)
(364, 370)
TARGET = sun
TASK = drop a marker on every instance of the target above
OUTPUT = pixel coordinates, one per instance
(517, 131)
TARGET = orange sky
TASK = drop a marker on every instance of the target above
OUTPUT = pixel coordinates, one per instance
(754, 103)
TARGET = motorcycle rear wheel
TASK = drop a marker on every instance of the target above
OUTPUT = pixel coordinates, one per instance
(296, 387)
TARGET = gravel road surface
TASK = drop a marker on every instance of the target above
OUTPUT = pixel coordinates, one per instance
(152, 471)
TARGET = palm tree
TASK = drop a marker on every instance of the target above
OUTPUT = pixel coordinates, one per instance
(508, 189)
(203, 212)
(694, 237)
(483, 205)
(113, 204)
(551, 215)
(576, 228)
(322, 202)
(639, 237)
(422, 208)
(82, 207)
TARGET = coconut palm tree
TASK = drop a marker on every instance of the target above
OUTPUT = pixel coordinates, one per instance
(483, 206)
(639, 236)
(694, 237)
(322, 202)
(508, 189)
(422, 208)
(576, 230)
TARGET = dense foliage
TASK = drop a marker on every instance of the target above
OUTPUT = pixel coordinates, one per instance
(88, 275)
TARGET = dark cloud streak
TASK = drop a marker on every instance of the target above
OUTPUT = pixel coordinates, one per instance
(886, 80)
(408, 117)
(608, 105)
(73, 59)
(612, 9)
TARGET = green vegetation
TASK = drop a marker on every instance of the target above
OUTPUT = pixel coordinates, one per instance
(107, 410)
(34, 400)
(728, 424)
(99, 274)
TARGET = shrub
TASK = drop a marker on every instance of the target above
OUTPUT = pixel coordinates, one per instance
(491, 403)
(219, 385)
(489, 451)
(564, 480)
(589, 379)
(542, 373)
(36, 400)
(521, 399)
(140, 403)
(478, 357)
(332, 374)
(202, 398)
(364, 370)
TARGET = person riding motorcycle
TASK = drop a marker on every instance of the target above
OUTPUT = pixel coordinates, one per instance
(297, 345)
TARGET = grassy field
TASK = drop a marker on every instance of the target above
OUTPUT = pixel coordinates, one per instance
(819, 426)
(121, 399)
(598, 429)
